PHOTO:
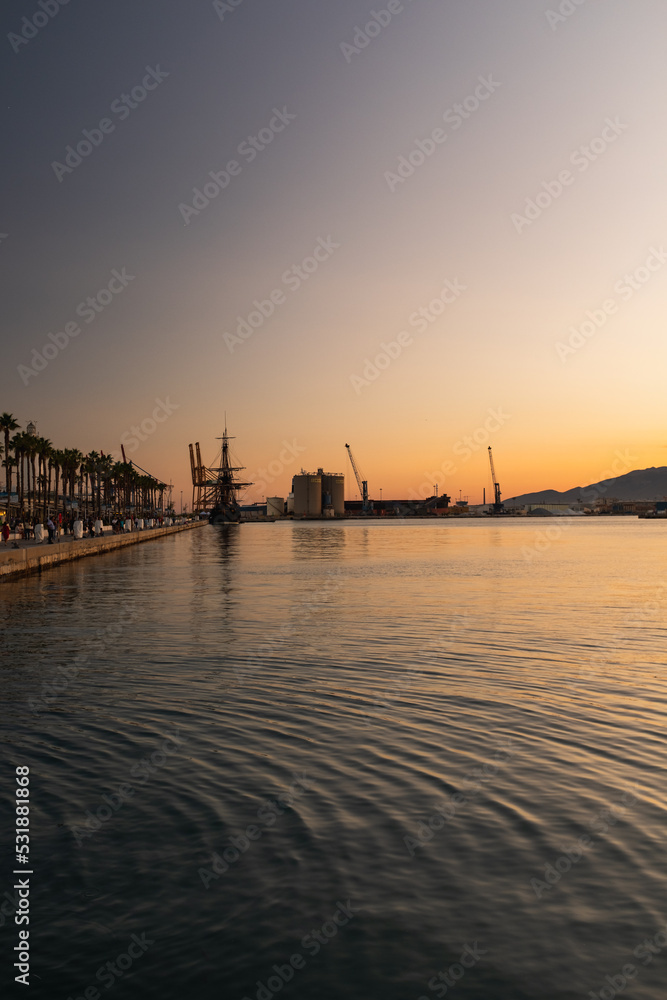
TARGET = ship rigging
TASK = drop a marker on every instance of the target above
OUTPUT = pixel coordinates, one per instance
(216, 489)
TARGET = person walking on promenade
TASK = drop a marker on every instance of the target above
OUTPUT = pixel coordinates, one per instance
(5, 532)
(51, 528)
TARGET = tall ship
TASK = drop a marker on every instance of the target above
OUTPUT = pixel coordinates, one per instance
(216, 489)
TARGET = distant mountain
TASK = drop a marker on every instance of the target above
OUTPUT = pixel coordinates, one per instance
(642, 484)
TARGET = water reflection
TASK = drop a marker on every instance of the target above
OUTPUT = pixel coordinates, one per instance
(212, 595)
(316, 629)
(316, 540)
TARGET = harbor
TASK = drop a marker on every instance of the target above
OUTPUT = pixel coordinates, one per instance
(218, 494)
(357, 317)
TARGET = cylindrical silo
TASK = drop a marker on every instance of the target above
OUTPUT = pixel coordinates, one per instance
(307, 489)
(333, 484)
(275, 506)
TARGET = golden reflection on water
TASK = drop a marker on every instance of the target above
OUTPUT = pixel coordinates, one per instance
(389, 662)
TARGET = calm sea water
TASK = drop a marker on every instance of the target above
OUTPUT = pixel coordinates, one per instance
(314, 760)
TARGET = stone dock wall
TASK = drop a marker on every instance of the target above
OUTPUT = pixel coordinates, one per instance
(35, 558)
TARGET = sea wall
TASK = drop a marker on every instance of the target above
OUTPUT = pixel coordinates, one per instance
(35, 558)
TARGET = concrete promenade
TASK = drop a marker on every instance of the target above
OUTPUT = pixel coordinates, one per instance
(33, 557)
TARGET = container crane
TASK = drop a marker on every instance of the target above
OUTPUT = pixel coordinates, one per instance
(498, 507)
(361, 483)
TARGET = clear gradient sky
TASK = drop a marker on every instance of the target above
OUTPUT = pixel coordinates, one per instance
(567, 106)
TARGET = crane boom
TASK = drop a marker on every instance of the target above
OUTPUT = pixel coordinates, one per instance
(498, 507)
(361, 483)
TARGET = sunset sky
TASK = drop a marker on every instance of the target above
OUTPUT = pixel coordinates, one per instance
(366, 175)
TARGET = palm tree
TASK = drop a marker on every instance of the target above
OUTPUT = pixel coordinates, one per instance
(14, 444)
(57, 460)
(7, 425)
(93, 470)
(105, 466)
(19, 444)
(125, 477)
(9, 463)
(72, 462)
(47, 461)
(43, 448)
(82, 479)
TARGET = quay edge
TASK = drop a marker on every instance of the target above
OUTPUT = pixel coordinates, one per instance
(15, 563)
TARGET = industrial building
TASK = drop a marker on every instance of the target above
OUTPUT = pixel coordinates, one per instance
(318, 494)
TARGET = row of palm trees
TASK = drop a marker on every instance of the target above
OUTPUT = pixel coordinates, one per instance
(51, 481)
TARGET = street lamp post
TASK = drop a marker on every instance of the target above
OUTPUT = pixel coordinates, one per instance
(181, 502)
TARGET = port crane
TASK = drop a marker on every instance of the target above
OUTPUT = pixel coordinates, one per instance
(361, 483)
(498, 507)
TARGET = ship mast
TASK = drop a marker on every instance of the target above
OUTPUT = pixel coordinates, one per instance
(227, 486)
(216, 487)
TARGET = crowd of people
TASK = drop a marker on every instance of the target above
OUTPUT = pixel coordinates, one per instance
(24, 528)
